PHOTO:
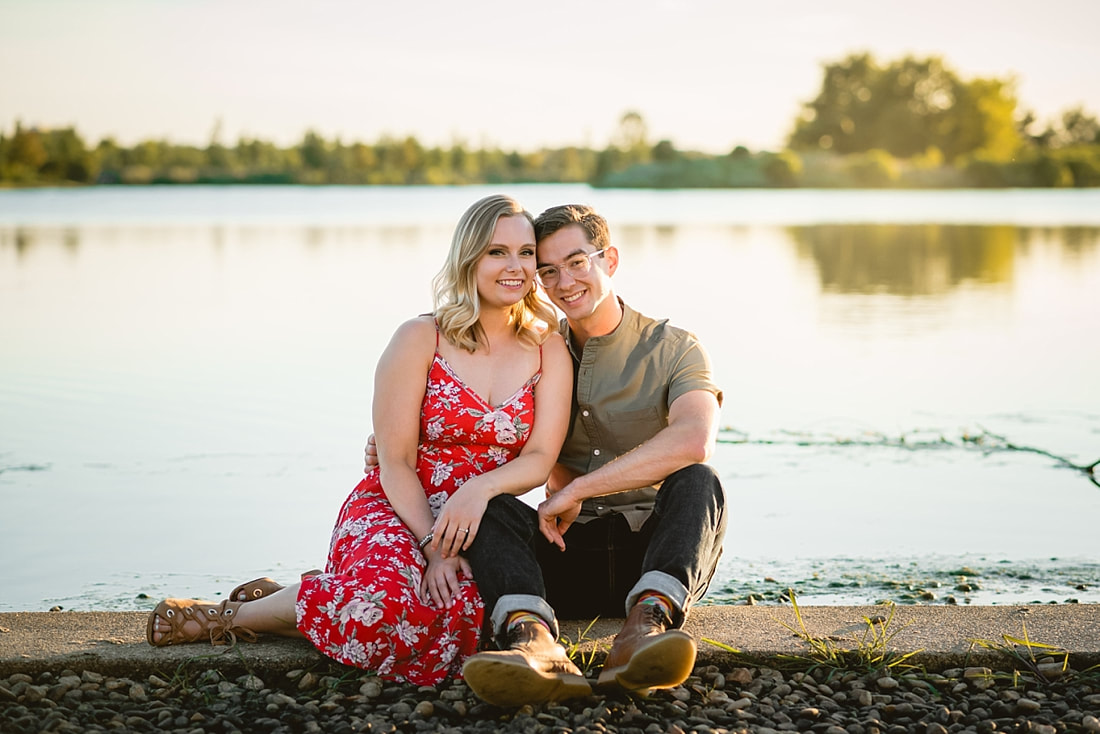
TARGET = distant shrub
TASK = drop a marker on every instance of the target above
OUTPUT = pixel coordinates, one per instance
(1049, 172)
(783, 169)
(1084, 165)
(873, 169)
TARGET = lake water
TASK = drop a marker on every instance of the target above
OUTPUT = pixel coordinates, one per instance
(186, 378)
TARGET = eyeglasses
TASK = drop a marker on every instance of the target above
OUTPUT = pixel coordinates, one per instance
(577, 266)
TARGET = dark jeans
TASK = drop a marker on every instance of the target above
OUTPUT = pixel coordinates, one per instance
(603, 559)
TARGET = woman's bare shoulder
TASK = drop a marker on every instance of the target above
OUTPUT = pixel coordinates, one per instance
(554, 350)
(416, 335)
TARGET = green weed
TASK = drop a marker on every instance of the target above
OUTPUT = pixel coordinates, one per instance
(721, 645)
(1034, 662)
(585, 660)
(871, 651)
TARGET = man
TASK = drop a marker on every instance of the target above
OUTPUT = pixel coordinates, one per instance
(633, 520)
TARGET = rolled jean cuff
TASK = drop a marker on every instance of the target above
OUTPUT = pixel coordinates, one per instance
(662, 583)
(522, 603)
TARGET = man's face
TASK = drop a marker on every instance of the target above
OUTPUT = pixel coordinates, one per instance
(578, 297)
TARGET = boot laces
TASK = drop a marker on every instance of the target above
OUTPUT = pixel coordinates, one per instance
(654, 615)
(520, 634)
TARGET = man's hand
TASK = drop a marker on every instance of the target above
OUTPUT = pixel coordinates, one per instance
(556, 513)
(370, 455)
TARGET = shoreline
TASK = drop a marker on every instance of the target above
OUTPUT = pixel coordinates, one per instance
(91, 671)
(939, 637)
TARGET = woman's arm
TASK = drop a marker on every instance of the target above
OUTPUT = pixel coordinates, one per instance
(553, 398)
(399, 384)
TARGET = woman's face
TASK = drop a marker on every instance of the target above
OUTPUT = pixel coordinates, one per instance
(506, 272)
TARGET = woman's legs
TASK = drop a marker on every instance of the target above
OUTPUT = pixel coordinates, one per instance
(274, 614)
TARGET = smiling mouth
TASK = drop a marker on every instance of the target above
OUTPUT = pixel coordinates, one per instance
(572, 298)
(511, 283)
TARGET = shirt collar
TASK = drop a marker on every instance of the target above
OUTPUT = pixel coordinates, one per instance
(630, 316)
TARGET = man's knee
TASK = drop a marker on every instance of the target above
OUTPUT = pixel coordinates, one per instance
(504, 504)
(700, 480)
(508, 511)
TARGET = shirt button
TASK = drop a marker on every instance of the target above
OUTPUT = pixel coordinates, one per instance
(584, 413)
(595, 452)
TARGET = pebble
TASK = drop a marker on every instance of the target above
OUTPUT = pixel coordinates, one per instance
(712, 701)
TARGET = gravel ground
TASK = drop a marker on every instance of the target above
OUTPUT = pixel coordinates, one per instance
(757, 699)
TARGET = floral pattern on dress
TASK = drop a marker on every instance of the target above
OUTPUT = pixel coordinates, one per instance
(365, 610)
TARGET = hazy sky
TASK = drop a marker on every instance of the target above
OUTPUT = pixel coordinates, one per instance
(706, 74)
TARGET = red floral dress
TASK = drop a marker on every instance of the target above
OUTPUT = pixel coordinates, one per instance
(365, 610)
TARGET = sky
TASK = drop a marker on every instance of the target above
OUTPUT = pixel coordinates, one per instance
(706, 74)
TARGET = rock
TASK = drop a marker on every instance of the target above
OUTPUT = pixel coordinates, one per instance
(977, 673)
(1051, 671)
(250, 683)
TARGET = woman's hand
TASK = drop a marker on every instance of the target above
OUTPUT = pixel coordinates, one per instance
(440, 584)
(370, 455)
(458, 521)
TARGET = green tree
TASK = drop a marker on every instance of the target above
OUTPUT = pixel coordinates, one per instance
(25, 155)
(906, 107)
(981, 120)
(664, 151)
(1078, 128)
(67, 157)
(109, 160)
(218, 157)
(873, 169)
(314, 150)
(782, 169)
(631, 138)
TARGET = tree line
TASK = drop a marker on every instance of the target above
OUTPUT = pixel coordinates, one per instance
(912, 122)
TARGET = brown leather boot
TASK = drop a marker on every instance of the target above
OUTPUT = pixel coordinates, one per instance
(533, 669)
(646, 654)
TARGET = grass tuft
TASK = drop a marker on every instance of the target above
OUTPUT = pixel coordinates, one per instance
(585, 660)
(870, 652)
(1033, 662)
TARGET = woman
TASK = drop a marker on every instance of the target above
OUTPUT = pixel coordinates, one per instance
(455, 398)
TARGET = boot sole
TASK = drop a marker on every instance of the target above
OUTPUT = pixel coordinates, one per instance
(511, 682)
(664, 662)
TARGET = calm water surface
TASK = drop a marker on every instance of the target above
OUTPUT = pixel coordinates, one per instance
(186, 379)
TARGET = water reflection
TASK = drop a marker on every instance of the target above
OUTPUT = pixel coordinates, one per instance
(907, 260)
(22, 239)
(1076, 242)
(232, 356)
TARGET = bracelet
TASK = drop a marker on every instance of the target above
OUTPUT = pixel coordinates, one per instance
(427, 539)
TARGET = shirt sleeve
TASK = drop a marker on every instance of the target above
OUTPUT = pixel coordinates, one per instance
(692, 371)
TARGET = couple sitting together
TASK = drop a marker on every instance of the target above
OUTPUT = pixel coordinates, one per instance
(474, 405)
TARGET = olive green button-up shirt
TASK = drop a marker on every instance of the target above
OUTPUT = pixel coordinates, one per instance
(623, 386)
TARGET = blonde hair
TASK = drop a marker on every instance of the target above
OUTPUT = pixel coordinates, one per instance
(457, 306)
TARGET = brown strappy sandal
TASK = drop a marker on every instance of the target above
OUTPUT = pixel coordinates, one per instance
(255, 589)
(213, 621)
(261, 587)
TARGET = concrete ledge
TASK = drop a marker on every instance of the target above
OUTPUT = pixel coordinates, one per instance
(113, 643)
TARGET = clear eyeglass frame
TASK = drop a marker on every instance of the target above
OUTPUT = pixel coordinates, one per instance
(577, 266)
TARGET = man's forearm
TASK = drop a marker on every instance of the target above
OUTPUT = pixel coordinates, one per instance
(649, 463)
